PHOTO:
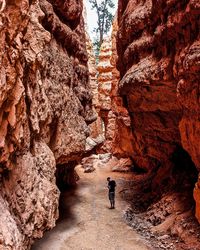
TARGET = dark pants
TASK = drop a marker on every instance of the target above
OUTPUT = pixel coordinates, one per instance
(111, 196)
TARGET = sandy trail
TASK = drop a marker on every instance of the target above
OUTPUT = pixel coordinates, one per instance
(86, 221)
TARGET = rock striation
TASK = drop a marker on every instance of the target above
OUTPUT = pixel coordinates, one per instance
(45, 109)
(121, 145)
(114, 115)
(96, 137)
(104, 68)
(158, 50)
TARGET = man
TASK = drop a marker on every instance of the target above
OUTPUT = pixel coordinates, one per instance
(111, 193)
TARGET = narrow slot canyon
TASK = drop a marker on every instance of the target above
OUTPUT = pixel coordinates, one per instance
(85, 220)
(70, 118)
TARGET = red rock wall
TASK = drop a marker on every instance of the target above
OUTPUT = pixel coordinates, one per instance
(122, 139)
(45, 106)
(158, 49)
(104, 68)
(111, 108)
(96, 137)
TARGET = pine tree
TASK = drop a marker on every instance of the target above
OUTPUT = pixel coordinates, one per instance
(104, 20)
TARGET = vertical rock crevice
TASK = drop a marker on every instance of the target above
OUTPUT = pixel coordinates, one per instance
(118, 134)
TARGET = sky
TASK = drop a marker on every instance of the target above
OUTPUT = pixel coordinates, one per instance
(92, 17)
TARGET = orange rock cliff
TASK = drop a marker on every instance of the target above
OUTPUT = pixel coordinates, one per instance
(45, 109)
(158, 44)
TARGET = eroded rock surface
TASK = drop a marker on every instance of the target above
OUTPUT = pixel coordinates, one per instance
(96, 137)
(122, 140)
(159, 41)
(118, 134)
(45, 109)
(104, 91)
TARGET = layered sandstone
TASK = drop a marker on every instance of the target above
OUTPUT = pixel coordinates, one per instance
(104, 91)
(105, 75)
(96, 137)
(45, 109)
(122, 140)
(158, 49)
(114, 115)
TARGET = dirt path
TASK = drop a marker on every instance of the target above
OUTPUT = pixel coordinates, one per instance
(87, 223)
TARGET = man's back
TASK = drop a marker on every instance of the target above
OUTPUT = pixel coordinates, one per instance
(112, 185)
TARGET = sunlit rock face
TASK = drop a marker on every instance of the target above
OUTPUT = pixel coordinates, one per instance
(105, 75)
(92, 71)
(45, 109)
(112, 111)
(158, 49)
(104, 90)
(96, 137)
(122, 138)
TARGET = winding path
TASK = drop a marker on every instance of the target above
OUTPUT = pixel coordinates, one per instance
(86, 223)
